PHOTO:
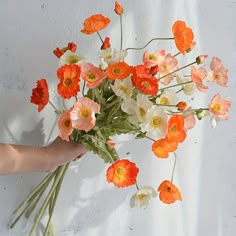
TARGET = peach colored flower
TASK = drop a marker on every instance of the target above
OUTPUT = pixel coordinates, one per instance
(197, 76)
(95, 23)
(65, 125)
(83, 114)
(218, 72)
(92, 75)
(219, 107)
(169, 65)
(40, 94)
(169, 193)
(122, 173)
(153, 59)
(189, 119)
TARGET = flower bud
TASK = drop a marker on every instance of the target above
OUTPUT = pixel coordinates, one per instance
(201, 59)
(118, 8)
(106, 44)
(181, 106)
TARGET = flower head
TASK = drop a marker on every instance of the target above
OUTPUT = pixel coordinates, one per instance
(65, 125)
(40, 94)
(83, 114)
(118, 8)
(142, 197)
(218, 72)
(183, 36)
(92, 75)
(153, 59)
(169, 193)
(60, 51)
(197, 76)
(119, 70)
(123, 88)
(69, 76)
(122, 173)
(70, 57)
(95, 23)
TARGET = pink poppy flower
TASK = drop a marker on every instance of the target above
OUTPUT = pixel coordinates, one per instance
(197, 76)
(83, 114)
(219, 107)
(92, 75)
(153, 59)
(65, 125)
(189, 119)
(218, 72)
(169, 65)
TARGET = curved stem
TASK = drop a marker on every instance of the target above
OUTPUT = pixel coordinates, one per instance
(99, 36)
(154, 39)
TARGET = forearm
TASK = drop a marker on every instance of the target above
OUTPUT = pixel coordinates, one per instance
(22, 159)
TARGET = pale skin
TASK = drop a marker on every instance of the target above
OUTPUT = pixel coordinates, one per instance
(16, 159)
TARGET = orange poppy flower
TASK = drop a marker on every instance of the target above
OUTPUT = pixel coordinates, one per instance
(40, 94)
(118, 8)
(95, 23)
(176, 131)
(145, 84)
(65, 125)
(183, 36)
(119, 70)
(60, 51)
(122, 173)
(169, 193)
(162, 147)
(69, 80)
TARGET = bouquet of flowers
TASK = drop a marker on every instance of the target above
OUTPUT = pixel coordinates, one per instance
(148, 100)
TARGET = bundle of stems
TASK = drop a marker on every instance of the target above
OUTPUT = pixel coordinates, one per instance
(52, 182)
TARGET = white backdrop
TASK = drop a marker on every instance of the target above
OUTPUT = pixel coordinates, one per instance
(88, 206)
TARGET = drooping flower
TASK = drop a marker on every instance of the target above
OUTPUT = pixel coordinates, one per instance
(176, 131)
(119, 70)
(155, 122)
(219, 108)
(60, 51)
(153, 59)
(189, 119)
(162, 147)
(92, 75)
(143, 196)
(70, 57)
(83, 114)
(118, 8)
(123, 88)
(169, 193)
(95, 23)
(183, 36)
(218, 72)
(122, 173)
(169, 65)
(65, 125)
(197, 76)
(69, 76)
(40, 94)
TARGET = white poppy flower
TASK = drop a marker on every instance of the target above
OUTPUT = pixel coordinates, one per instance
(123, 88)
(70, 58)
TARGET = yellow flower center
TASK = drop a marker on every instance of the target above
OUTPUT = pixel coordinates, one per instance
(73, 59)
(124, 89)
(120, 171)
(116, 70)
(152, 57)
(142, 112)
(145, 84)
(164, 101)
(217, 107)
(216, 77)
(141, 196)
(67, 123)
(92, 76)
(84, 113)
(156, 121)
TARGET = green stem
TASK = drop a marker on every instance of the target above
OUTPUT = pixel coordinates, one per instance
(54, 107)
(154, 39)
(175, 85)
(173, 170)
(47, 200)
(181, 68)
(54, 199)
(121, 33)
(100, 37)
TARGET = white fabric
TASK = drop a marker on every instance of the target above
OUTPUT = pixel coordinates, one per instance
(88, 205)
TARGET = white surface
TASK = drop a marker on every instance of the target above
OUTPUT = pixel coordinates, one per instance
(88, 206)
